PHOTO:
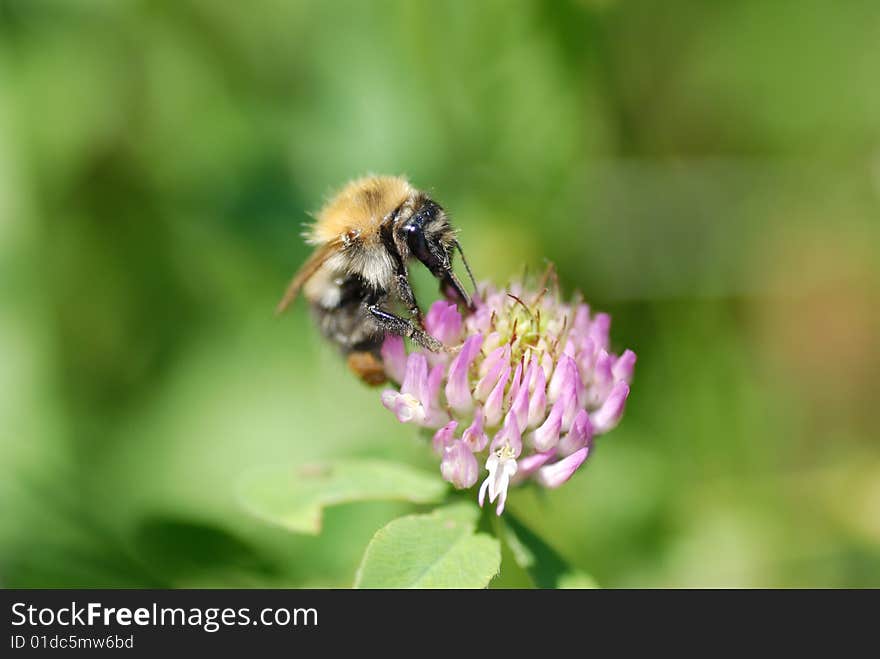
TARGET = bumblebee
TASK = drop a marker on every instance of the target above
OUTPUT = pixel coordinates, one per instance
(358, 275)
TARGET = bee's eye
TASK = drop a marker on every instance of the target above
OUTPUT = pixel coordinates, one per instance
(417, 243)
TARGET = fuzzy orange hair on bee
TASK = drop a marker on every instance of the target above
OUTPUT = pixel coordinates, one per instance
(364, 239)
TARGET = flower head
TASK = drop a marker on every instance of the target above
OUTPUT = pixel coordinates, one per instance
(527, 383)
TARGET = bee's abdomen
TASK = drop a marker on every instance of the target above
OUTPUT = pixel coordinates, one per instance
(342, 317)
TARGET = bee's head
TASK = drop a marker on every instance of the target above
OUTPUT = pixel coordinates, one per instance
(431, 239)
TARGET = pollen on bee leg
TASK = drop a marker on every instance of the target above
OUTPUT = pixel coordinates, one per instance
(367, 367)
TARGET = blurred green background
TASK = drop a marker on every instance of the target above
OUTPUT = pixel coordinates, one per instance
(707, 172)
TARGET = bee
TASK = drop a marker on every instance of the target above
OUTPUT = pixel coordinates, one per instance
(358, 275)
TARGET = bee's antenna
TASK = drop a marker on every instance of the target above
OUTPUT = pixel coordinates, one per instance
(466, 265)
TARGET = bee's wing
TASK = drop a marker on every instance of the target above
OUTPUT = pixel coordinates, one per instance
(310, 267)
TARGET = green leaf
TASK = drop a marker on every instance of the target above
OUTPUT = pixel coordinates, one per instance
(543, 563)
(439, 550)
(294, 497)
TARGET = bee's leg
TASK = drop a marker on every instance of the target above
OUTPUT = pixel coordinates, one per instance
(401, 276)
(405, 291)
(408, 296)
(404, 327)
